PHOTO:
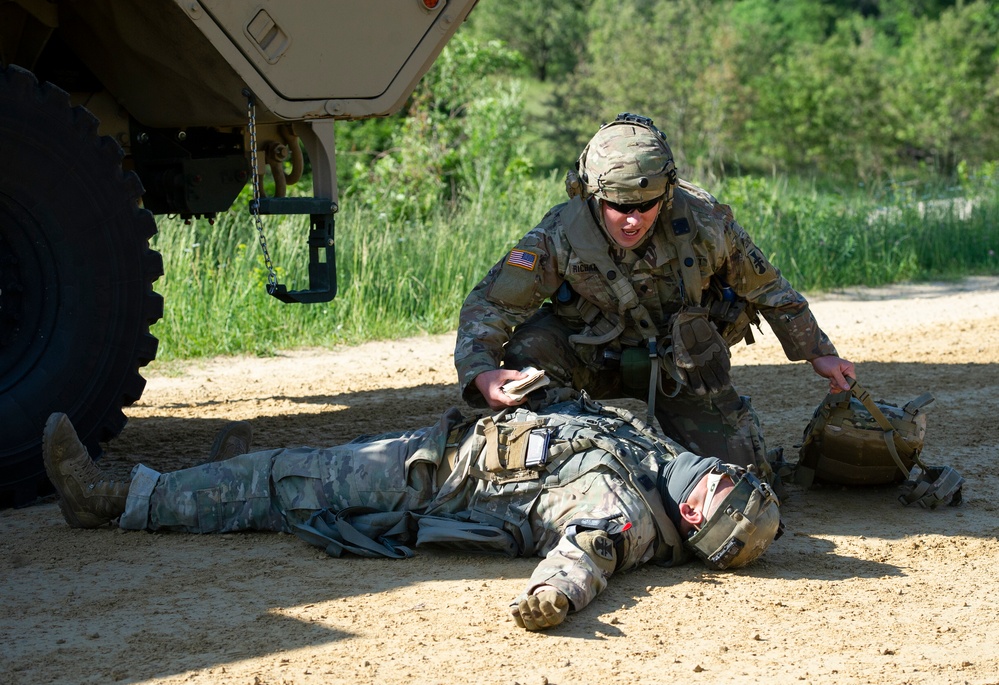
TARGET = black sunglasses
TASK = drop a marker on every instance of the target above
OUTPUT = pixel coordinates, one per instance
(629, 208)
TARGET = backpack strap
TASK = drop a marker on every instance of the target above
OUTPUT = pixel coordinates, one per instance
(893, 440)
(913, 407)
(929, 486)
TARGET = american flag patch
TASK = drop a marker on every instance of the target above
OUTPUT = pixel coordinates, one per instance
(523, 259)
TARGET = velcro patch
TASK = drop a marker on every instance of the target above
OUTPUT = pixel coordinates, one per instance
(597, 545)
(523, 259)
(759, 263)
(603, 547)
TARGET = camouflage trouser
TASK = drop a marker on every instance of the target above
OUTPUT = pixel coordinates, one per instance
(276, 489)
(724, 425)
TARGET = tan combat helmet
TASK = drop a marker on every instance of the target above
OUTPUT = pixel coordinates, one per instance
(628, 161)
(743, 525)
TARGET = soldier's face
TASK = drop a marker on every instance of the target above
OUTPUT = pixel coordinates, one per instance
(628, 228)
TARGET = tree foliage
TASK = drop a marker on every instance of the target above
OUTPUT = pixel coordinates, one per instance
(857, 90)
(853, 88)
(461, 131)
(547, 34)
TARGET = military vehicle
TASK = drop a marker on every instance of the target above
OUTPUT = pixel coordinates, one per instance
(113, 111)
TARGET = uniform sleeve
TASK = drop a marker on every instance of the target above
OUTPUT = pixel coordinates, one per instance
(582, 554)
(513, 289)
(578, 567)
(748, 272)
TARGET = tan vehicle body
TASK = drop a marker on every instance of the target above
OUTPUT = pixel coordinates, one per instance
(159, 92)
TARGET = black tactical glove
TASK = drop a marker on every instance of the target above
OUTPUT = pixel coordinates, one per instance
(545, 609)
(701, 356)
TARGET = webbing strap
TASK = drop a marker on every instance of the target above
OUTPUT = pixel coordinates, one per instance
(631, 473)
(667, 363)
(599, 339)
(893, 440)
(691, 282)
(510, 453)
(653, 382)
(334, 533)
(915, 405)
(645, 430)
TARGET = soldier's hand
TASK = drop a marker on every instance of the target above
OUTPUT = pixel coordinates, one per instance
(490, 384)
(700, 353)
(835, 369)
(546, 607)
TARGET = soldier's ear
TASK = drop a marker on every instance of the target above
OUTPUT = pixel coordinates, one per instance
(691, 515)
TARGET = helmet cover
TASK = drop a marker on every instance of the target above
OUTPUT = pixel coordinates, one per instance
(627, 161)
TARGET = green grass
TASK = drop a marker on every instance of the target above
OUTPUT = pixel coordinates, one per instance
(823, 240)
(400, 279)
(394, 279)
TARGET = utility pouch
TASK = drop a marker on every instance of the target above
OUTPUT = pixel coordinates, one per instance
(733, 315)
(507, 444)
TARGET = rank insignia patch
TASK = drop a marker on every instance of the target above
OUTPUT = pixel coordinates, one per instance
(523, 259)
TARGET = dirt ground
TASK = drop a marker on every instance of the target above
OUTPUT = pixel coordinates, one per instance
(860, 589)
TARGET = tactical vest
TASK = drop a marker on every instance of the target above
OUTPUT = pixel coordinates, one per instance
(509, 459)
(732, 314)
(590, 244)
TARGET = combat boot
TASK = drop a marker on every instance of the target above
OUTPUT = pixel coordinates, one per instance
(87, 499)
(233, 440)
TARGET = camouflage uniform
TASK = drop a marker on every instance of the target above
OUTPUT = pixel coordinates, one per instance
(525, 310)
(603, 467)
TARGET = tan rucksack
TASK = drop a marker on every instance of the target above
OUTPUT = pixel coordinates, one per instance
(853, 440)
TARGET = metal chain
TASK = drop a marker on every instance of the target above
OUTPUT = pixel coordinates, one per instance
(251, 115)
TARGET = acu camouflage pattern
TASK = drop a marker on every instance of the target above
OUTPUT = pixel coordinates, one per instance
(278, 489)
(396, 472)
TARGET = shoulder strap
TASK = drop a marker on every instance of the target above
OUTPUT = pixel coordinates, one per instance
(929, 486)
(683, 231)
(893, 440)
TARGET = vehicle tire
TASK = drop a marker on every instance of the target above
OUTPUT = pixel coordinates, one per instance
(76, 274)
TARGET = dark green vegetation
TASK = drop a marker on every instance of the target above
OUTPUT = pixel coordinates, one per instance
(857, 142)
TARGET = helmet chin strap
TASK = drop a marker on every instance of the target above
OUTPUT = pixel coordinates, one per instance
(714, 479)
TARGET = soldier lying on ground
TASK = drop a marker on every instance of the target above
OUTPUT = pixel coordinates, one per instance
(586, 486)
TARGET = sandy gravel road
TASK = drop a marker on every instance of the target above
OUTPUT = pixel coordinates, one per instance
(860, 590)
